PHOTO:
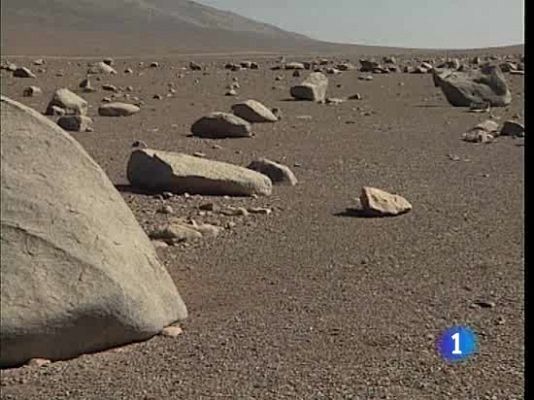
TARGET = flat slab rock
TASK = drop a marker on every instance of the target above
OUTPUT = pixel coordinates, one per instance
(377, 202)
(118, 109)
(78, 273)
(218, 125)
(253, 111)
(163, 171)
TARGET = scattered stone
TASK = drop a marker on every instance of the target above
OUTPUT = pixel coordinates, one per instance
(101, 68)
(259, 210)
(253, 111)
(517, 72)
(172, 331)
(376, 202)
(32, 91)
(128, 71)
(484, 304)
(294, 66)
(356, 96)
(89, 236)
(221, 125)
(296, 73)
(56, 111)
(209, 207)
(38, 362)
(368, 65)
(76, 123)
(235, 212)
(478, 86)
(23, 72)
(231, 92)
(174, 232)
(118, 110)
(70, 102)
(208, 230)
(159, 244)
(39, 62)
(193, 66)
(313, 88)
(513, 128)
(334, 101)
(110, 88)
(365, 77)
(199, 154)
(180, 173)
(157, 97)
(85, 85)
(165, 209)
(278, 173)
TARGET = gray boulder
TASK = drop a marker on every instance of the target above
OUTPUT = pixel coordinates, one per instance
(78, 274)
(486, 85)
(163, 171)
(221, 125)
(313, 88)
(68, 101)
(253, 111)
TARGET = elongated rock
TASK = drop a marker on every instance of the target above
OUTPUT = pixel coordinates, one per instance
(313, 88)
(253, 111)
(101, 68)
(163, 171)
(221, 125)
(278, 173)
(78, 274)
(118, 110)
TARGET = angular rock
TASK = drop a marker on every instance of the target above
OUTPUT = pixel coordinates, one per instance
(476, 86)
(32, 91)
(181, 173)
(117, 109)
(376, 202)
(78, 274)
(221, 125)
(277, 173)
(76, 123)
(23, 72)
(513, 128)
(85, 85)
(68, 101)
(368, 65)
(313, 88)
(253, 111)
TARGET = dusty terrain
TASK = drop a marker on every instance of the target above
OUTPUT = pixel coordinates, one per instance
(309, 302)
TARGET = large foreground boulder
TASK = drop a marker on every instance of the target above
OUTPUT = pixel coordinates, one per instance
(313, 88)
(156, 170)
(77, 272)
(486, 85)
(218, 125)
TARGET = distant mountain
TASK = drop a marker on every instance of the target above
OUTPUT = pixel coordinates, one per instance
(127, 27)
(192, 26)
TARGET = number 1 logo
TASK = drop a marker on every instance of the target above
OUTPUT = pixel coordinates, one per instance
(457, 343)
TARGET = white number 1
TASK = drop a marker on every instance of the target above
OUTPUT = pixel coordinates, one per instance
(456, 338)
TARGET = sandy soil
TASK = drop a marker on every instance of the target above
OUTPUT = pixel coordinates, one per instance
(310, 303)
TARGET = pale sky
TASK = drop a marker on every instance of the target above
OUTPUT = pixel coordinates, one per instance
(403, 23)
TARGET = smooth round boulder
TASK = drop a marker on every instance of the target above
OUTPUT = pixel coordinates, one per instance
(78, 274)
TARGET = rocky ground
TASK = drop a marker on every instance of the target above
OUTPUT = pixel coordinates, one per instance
(309, 301)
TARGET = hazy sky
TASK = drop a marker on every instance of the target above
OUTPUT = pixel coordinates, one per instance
(406, 23)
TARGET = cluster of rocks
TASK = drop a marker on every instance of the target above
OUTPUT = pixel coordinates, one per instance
(487, 131)
(217, 125)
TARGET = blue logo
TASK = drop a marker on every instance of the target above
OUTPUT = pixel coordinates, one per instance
(457, 344)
